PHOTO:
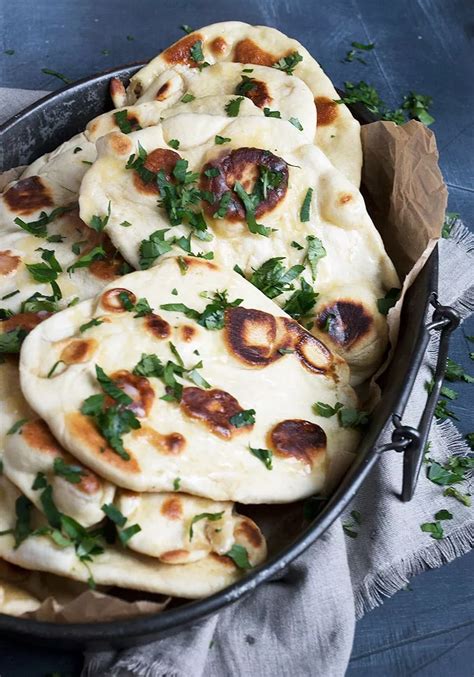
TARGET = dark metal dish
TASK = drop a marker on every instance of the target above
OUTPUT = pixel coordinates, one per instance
(41, 128)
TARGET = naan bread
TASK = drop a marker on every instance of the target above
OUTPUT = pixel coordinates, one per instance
(168, 531)
(118, 566)
(266, 91)
(15, 601)
(245, 364)
(24, 299)
(31, 449)
(352, 275)
(66, 165)
(338, 134)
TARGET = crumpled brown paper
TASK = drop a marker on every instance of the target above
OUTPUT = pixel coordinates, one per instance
(406, 198)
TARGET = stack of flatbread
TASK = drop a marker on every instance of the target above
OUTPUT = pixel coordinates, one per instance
(190, 304)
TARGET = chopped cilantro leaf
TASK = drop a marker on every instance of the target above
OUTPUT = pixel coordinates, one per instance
(233, 106)
(296, 123)
(271, 113)
(388, 301)
(219, 140)
(305, 207)
(124, 123)
(60, 76)
(316, 251)
(98, 223)
(187, 98)
(17, 426)
(176, 483)
(239, 555)
(434, 529)
(114, 514)
(72, 473)
(450, 219)
(301, 302)
(253, 226)
(243, 418)
(173, 143)
(154, 247)
(38, 227)
(211, 516)
(88, 325)
(352, 418)
(272, 278)
(263, 455)
(326, 410)
(288, 63)
(96, 254)
(245, 86)
(187, 29)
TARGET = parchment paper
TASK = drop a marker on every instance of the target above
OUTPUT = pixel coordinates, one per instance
(406, 197)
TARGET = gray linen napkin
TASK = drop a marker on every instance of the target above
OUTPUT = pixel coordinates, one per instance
(303, 622)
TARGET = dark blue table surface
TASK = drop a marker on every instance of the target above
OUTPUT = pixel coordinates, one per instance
(421, 45)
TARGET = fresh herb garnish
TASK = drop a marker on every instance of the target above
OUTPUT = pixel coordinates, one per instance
(114, 514)
(187, 29)
(53, 368)
(452, 492)
(96, 254)
(219, 140)
(233, 106)
(249, 202)
(187, 98)
(352, 418)
(88, 325)
(48, 271)
(263, 455)
(305, 207)
(296, 123)
(450, 219)
(287, 64)
(349, 526)
(17, 426)
(173, 143)
(10, 341)
(197, 55)
(176, 483)
(239, 555)
(273, 279)
(301, 302)
(243, 418)
(98, 223)
(71, 473)
(154, 247)
(388, 301)
(60, 76)
(212, 317)
(454, 372)
(115, 420)
(211, 516)
(417, 106)
(38, 227)
(271, 113)
(245, 86)
(326, 410)
(316, 251)
(125, 125)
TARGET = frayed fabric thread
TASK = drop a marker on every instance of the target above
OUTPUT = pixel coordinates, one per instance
(387, 582)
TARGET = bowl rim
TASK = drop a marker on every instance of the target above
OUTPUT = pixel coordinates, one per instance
(175, 619)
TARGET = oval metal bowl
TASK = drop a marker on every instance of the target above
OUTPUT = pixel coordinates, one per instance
(40, 129)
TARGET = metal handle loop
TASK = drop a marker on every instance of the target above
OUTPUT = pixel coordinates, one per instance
(412, 441)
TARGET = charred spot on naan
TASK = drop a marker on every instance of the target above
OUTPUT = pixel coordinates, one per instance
(174, 557)
(196, 262)
(28, 196)
(327, 111)
(112, 302)
(136, 387)
(172, 508)
(81, 428)
(78, 351)
(162, 93)
(248, 531)
(243, 165)
(117, 90)
(119, 143)
(159, 159)
(38, 436)
(224, 560)
(213, 408)
(106, 270)
(313, 354)
(299, 439)
(256, 337)
(157, 326)
(9, 263)
(259, 94)
(345, 321)
(187, 332)
(218, 46)
(26, 321)
(172, 443)
(180, 52)
(247, 51)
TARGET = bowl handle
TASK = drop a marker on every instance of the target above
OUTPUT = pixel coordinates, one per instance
(412, 441)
